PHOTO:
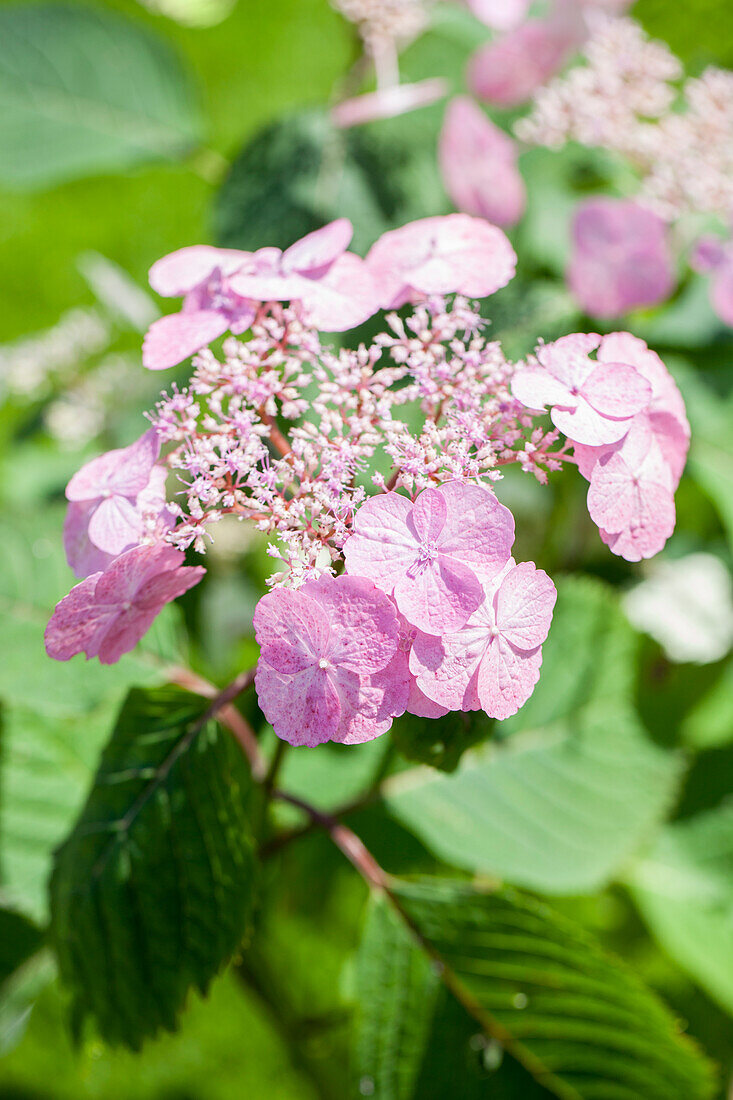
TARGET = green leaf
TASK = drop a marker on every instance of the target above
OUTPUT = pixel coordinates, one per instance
(542, 989)
(153, 889)
(440, 742)
(25, 968)
(684, 889)
(19, 939)
(83, 91)
(576, 789)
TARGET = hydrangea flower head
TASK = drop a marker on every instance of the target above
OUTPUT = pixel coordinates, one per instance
(322, 649)
(107, 614)
(621, 259)
(432, 555)
(199, 274)
(450, 254)
(591, 402)
(107, 488)
(478, 162)
(493, 662)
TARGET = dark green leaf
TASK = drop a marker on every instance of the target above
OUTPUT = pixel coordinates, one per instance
(19, 939)
(153, 889)
(83, 91)
(440, 742)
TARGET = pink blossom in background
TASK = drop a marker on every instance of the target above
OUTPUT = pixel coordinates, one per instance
(323, 648)
(478, 162)
(591, 402)
(621, 259)
(108, 489)
(441, 255)
(107, 614)
(199, 274)
(389, 102)
(334, 286)
(493, 662)
(502, 15)
(510, 68)
(714, 256)
(432, 555)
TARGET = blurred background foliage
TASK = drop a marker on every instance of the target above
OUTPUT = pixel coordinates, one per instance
(239, 152)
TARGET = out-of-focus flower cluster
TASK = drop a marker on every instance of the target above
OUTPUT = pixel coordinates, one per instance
(397, 20)
(373, 469)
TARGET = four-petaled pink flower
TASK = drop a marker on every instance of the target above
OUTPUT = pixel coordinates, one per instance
(201, 275)
(334, 287)
(591, 402)
(441, 255)
(107, 614)
(325, 671)
(621, 259)
(478, 162)
(493, 662)
(433, 555)
(106, 492)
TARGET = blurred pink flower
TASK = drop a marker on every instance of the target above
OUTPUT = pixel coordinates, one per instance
(325, 671)
(493, 662)
(478, 162)
(510, 68)
(440, 255)
(502, 15)
(107, 490)
(398, 99)
(107, 614)
(591, 402)
(199, 274)
(620, 259)
(715, 257)
(334, 287)
(432, 555)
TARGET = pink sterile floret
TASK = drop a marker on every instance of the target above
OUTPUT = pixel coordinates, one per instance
(478, 162)
(493, 662)
(620, 259)
(108, 488)
(201, 275)
(107, 614)
(325, 671)
(715, 256)
(508, 70)
(432, 555)
(442, 255)
(334, 287)
(592, 402)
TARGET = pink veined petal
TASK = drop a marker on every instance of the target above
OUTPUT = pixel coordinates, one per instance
(178, 273)
(616, 390)
(622, 347)
(429, 514)
(611, 494)
(81, 554)
(292, 630)
(125, 630)
(479, 531)
(78, 623)
(344, 297)
(506, 678)
(394, 684)
(120, 583)
(420, 705)
(672, 440)
(651, 525)
(443, 667)
(167, 586)
(303, 709)
(440, 596)
(125, 470)
(524, 606)
(115, 525)
(364, 628)
(177, 336)
(536, 388)
(319, 249)
(382, 545)
(584, 425)
(365, 712)
(567, 359)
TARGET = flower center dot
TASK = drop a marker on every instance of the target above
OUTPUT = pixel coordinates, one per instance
(323, 663)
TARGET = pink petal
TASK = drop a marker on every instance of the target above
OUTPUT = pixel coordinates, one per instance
(177, 336)
(616, 390)
(179, 272)
(478, 165)
(303, 708)
(78, 623)
(524, 605)
(502, 15)
(567, 358)
(364, 628)
(318, 250)
(115, 525)
(344, 297)
(121, 582)
(428, 515)
(387, 102)
(292, 630)
(440, 596)
(419, 704)
(444, 667)
(584, 425)
(622, 347)
(672, 441)
(82, 555)
(506, 678)
(125, 471)
(536, 388)
(509, 69)
(381, 546)
(167, 586)
(478, 531)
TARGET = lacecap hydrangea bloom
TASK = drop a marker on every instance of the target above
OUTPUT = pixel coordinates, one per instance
(375, 471)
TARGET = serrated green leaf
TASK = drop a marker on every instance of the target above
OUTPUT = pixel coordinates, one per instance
(542, 988)
(84, 91)
(153, 889)
(577, 788)
(684, 889)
